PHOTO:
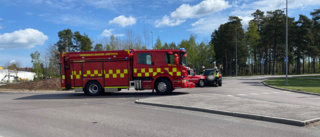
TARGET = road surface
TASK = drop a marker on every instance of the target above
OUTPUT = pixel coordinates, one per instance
(75, 114)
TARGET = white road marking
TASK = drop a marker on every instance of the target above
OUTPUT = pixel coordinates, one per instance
(275, 92)
(265, 93)
(230, 95)
(253, 93)
(242, 94)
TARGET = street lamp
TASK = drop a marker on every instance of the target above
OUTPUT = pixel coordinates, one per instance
(236, 53)
(287, 43)
(152, 39)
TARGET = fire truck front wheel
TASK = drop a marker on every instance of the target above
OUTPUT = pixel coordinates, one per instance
(163, 86)
(93, 88)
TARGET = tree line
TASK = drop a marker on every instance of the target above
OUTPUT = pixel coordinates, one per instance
(48, 66)
(261, 47)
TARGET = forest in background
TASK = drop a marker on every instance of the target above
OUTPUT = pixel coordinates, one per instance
(259, 47)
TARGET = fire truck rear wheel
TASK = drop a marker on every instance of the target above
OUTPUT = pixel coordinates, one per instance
(163, 86)
(93, 88)
(201, 83)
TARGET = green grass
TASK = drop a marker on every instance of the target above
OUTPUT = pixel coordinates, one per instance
(315, 77)
(301, 83)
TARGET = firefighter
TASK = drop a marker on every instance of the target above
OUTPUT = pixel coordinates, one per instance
(203, 69)
(216, 75)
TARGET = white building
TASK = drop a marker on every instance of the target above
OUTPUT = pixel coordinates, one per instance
(10, 75)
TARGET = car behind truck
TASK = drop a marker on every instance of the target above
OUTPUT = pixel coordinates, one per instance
(110, 71)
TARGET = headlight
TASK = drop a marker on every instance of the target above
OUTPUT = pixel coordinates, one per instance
(210, 77)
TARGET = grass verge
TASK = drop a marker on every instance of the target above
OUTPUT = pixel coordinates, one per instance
(308, 84)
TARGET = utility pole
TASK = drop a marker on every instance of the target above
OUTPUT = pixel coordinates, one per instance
(236, 54)
(287, 43)
(152, 39)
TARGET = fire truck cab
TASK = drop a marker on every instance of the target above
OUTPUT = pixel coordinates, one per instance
(110, 71)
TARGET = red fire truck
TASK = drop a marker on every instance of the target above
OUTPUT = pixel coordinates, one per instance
(110, 71)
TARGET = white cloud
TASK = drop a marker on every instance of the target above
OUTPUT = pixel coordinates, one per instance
(185, 11)
(13, 61)
(246, 8)
(245, 20)
(27, 38)
(109, 32)
(268, 5)
(123, 21)
(204, 8)
(205, 26)
(166, 21)
(200, 21)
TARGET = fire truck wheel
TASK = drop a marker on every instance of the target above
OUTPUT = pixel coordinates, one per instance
(201, 83)
(93, 88)
(163, 86)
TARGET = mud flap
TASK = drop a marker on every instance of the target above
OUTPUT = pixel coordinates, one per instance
(191, 85)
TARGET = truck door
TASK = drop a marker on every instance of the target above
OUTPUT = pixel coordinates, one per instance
(144, 65)
(76, 75)
(116, 74)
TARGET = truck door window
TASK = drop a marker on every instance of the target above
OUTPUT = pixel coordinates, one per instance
(191, 72)
(169, 58)
(144, 58)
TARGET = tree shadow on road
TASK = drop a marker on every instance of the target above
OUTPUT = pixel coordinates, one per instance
(105, 95)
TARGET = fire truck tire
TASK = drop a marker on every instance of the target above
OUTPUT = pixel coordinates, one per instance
(163, 86)
(201, 83)
(93, 88)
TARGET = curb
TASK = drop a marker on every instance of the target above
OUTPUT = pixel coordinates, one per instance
(241, 115)
(303, 92)
(13, 91)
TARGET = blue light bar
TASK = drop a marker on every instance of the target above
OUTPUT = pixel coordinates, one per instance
(109, 58)
(126, 57)
(182, 49)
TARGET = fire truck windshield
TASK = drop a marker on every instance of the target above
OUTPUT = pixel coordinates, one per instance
(183, 58)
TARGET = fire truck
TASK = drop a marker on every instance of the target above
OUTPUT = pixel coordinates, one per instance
(110, 71)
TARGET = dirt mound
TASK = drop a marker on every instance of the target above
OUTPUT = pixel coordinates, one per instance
(45, 84)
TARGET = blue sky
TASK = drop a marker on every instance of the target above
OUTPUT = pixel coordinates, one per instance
(30, 25)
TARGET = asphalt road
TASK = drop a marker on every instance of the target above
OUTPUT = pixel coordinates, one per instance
(74, 114)
(252, 88)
